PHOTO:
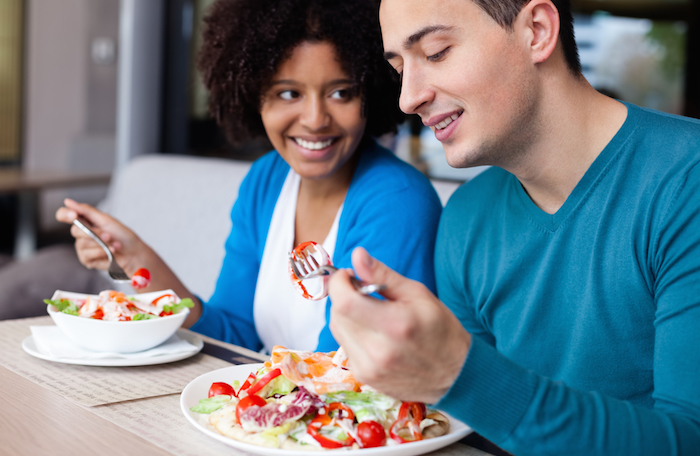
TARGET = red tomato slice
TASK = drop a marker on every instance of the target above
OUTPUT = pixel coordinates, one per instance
(344, 412)
(248, 381)
(141, 279)
(415, 409)
(371, 434)
(248, 401)
(221, 388)
(267, 378)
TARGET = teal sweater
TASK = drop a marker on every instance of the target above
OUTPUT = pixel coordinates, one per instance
(587, 321)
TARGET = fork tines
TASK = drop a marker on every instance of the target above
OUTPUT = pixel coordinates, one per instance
(293, 264)
(302, 267)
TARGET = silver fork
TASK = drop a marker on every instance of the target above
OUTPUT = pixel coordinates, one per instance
(115, 271)
(306, 267)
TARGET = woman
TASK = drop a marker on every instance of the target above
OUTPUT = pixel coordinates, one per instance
(311, 76)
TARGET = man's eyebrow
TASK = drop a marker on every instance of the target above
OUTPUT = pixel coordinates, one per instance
(416, 37)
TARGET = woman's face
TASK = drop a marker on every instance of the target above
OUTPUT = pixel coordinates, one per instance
(311, 111)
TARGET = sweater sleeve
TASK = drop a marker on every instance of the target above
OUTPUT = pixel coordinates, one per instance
(526, 413)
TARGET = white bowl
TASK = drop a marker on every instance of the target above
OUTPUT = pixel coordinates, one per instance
(116, 336)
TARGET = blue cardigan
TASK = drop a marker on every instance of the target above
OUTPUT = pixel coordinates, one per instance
(390, 209)
(586, 322)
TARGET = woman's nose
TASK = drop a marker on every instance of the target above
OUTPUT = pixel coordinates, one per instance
(415, 92)
(315, 115)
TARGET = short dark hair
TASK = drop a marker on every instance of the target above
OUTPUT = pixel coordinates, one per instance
(504, 13)
(245, 41)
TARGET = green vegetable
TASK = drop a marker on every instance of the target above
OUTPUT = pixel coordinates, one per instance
(63, 305)
(270, 435)
(366, 405)
(362, 397)
(278, 385)
(176, 308)
(211, 404)
(144, 316)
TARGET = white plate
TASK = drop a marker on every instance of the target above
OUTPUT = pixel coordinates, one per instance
(199, 389)
(30, 347)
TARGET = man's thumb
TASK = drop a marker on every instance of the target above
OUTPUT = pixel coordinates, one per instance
(370, 270)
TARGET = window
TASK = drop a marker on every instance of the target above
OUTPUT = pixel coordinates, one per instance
(10, 79)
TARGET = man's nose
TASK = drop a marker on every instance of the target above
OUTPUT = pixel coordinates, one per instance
(415, 92)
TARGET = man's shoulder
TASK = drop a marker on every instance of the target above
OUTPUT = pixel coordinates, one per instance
(659, 148)
(671, 130)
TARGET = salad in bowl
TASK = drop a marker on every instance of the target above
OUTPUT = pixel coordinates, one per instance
(114, 322)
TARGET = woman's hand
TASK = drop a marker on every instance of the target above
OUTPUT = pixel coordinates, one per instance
(124, 244)
(130, 252)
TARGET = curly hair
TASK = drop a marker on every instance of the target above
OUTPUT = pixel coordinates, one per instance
(245, 41)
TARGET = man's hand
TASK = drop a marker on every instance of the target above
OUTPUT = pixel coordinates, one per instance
(409, 346)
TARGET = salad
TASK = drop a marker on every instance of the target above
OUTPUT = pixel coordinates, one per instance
(112, 305)
(305, 400)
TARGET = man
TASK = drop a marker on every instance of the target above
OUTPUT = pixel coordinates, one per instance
(569, 271)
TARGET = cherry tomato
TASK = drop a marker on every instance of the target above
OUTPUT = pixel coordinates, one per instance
(248, 401)
(221, 388)
(371, 434)
(141, 279)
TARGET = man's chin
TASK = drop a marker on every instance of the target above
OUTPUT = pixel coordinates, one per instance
(456, 160)
(460, 158)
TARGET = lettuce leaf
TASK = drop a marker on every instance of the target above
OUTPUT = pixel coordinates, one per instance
(177, 308)
(211, 404)
(63, 305)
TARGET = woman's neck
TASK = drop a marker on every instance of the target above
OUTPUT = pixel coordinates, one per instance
(318, 203)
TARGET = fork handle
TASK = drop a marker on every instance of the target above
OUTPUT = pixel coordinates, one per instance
(94, 236)
(367, 289)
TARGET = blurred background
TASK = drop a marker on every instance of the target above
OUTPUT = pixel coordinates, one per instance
(85, 85)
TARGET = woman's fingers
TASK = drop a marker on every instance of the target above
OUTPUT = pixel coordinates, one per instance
(65, 215)
(90, 254)
(72, 209)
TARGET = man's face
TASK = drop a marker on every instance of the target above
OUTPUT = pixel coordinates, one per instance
(470, 80)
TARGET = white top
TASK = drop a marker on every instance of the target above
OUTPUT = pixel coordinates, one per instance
(282, 315)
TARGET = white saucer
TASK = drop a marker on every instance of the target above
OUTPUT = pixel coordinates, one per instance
(30, 347)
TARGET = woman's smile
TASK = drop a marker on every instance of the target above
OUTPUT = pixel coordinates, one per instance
(312, 112)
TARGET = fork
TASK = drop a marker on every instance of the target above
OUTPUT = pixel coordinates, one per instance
(306, 267)
(115, 271)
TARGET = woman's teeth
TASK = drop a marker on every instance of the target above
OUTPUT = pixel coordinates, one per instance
(313, 145)
(446, 122)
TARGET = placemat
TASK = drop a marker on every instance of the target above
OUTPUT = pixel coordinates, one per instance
(91, 385)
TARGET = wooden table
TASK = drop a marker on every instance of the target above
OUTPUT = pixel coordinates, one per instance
(34, 419)
(27, 185)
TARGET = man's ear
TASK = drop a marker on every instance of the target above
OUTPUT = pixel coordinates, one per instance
(541, 18)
